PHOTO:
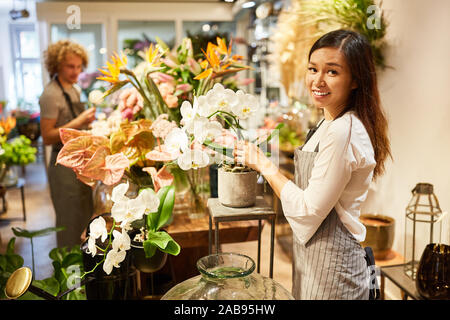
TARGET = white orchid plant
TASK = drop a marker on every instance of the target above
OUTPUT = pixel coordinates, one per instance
(203, 139)
(148, 211)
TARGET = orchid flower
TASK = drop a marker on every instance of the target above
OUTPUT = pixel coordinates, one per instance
(113, 258)
(193, 159)
(246, 106)
(122, 241)
(221, 99)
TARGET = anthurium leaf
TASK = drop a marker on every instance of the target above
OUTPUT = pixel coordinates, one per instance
(149, 249)
(19, 232)
(166, 207)
(67, 134)
(117, 141)
(164, 242)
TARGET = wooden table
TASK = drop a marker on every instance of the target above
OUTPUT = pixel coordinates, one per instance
(190, 233)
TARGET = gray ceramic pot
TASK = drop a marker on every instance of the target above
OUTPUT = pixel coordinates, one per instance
(236, 189)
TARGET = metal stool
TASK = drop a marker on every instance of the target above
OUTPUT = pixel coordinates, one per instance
(261, 210)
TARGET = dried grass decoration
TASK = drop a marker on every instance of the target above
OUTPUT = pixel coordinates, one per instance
(307, 20)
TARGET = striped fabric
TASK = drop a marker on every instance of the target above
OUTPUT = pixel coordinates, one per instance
(331, 265)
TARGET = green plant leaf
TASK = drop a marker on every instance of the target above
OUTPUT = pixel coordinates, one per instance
(166, 204)
(50, 285)
(19, 232)
(14, 262)
(149, 249)
(219, 149)
(10, 246)
(3, 263)
(71, 259)
(77, 294)
(56, 255)
(164, 242)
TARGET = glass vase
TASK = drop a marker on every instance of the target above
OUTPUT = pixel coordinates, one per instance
(433, 272)
(228, 276)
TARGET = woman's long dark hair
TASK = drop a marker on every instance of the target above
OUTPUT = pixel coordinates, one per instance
(365, 99)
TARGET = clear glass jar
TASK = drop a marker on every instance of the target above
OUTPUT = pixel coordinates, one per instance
(228, 276)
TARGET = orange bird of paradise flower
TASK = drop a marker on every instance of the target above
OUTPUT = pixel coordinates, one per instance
(112, 70)
(219, 59)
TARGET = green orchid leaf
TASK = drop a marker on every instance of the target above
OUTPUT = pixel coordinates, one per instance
(19, 232)
(271, 135)
(164, 242)
(167, 200)
(149, 248)
(218, 148)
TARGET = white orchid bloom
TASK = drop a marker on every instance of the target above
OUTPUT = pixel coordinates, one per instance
(150, 199)
(219, 98)
(246, 106)
(202, 106)
(119, 191)
(113, 258)
(207, 130)
(193, 159)
(121, 241)
(126, 210)
(188, 112)
(176, 140)
(95, 97)
(92, 248)
(97, 229)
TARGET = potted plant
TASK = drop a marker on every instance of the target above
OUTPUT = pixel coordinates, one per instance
(203, 139)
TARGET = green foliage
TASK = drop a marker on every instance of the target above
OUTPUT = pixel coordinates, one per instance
(19, 232)
(160, 239)
(66, 265)
(18, 151)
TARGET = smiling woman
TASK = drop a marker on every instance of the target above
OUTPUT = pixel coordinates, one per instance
(333, 170)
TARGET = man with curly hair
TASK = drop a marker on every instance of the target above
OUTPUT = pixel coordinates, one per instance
(61, 108)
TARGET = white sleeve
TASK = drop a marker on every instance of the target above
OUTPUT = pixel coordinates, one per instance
(306, 209)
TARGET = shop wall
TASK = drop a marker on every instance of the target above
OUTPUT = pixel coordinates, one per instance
(414, 95)
(6, 69)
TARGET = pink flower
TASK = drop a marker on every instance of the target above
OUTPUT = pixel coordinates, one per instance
(171, 101)
(160, 178)
(185, 87)
(127, 114)
(130, 103)
(161, 126)
(166, 88)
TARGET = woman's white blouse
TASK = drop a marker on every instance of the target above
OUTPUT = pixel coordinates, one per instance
(340, 178)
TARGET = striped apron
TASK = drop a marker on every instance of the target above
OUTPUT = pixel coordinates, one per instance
(331, 265)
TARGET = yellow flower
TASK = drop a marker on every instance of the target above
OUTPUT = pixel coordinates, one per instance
(112, 70)
(152, 55)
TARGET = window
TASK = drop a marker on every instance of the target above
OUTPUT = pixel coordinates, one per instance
(134, 36)
(89, 36)
(26, 66)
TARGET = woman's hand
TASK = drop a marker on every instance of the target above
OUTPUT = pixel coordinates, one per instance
(250, 155)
